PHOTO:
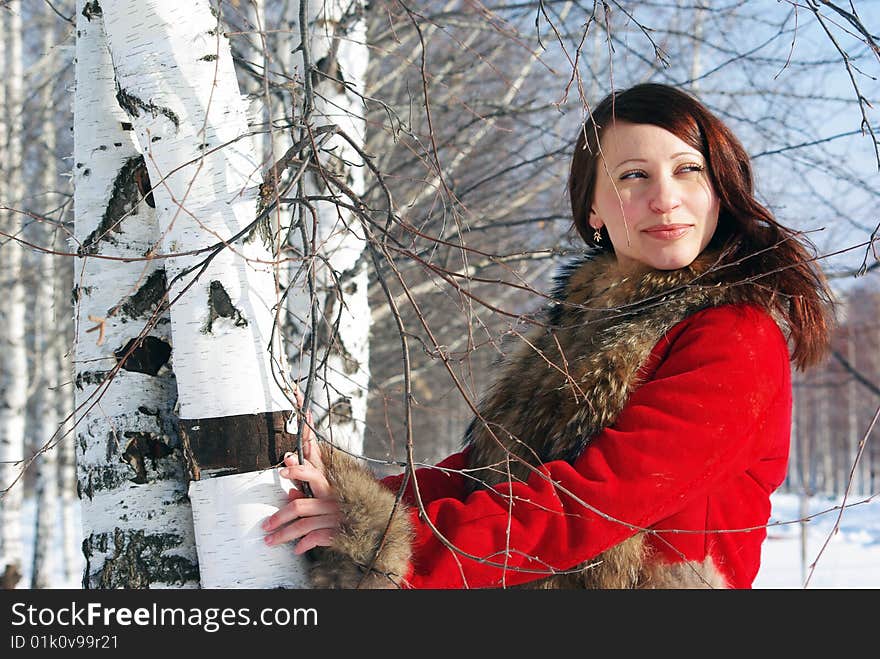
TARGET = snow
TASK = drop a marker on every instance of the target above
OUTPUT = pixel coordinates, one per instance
(851, 558)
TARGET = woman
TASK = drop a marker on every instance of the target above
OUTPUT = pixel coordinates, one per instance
(633, 441)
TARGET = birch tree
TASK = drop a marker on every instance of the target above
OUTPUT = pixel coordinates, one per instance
(13, 367)
(234, 400)
(46, 538)
(136, 517)
(328, 331)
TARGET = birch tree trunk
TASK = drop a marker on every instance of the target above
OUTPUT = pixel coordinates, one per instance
(334, 350)
(45, 404)
(71, 523)
(191, 124)
(136, 517)
(13, 360)
(259, 96)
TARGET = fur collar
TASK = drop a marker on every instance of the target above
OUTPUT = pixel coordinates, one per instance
(571, 376)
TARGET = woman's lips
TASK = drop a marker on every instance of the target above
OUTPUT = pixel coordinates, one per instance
(667, 231)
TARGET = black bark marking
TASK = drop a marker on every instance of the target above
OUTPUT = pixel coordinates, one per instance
(142, 181)
(138, 560)
(10, 577)
(124, 199)
(133, 106)
(236, 444)
(90, 377)
(329, 66)
(147, 297)
(341, 412)
(209, 58)
(144, 446)
(328, 335)
(220, 306)
(91, 9)
(149, 355)
(78, 291)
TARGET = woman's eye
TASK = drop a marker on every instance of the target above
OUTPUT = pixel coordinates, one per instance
(691, 167)
(636, 173)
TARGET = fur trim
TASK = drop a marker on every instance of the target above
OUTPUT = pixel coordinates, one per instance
(375, 534)
(581, 369)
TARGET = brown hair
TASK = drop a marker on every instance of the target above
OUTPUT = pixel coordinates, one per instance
(780, 259)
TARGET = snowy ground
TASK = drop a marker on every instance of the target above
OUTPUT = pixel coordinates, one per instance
(851, 558)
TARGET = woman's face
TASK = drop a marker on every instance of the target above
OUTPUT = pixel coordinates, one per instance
(654, 196)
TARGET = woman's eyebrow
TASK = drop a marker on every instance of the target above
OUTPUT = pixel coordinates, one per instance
(691, 154)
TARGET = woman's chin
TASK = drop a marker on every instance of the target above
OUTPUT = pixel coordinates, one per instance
(671, 258)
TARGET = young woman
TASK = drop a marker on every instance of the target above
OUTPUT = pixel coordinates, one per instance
(634, 440)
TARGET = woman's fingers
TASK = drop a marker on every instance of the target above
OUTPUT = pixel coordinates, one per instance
(299, 508)
(301, 527)
(319, 538)
(308, 473)
(311, 450)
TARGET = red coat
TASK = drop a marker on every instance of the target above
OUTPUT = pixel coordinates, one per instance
(694, 455)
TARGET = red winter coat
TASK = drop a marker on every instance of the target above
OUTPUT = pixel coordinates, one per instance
(694, 455)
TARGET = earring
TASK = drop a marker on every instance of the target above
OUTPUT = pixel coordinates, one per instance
(597, 237)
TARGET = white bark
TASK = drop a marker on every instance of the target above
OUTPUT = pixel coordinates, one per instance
(136, 518)
(337, 45)
(191, 123)
(227, 512)
(13, 367)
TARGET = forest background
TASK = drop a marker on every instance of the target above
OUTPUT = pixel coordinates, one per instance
(465, 115)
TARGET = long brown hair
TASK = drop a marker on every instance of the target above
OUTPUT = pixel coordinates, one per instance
(778, 258)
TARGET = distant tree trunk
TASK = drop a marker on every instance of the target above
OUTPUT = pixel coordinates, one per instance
(258, 55)
(803, 513)
(46, 394)
(336, 347)
(136, 517)
(13, 360)
(71, 526)
(852, 425)
(696, 64)
(825, 438)
(233, 398)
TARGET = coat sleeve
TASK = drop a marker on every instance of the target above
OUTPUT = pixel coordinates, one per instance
(445, 479)
(688, 428)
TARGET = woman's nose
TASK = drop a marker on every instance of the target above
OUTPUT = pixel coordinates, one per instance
(665, 196)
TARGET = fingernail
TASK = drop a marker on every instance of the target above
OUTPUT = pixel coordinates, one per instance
(267, 539)
(285, 472)
(288, 454)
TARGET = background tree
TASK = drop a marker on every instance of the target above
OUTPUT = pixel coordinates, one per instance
(13, 357)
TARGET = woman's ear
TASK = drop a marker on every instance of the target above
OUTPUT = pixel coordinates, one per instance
(595, 221)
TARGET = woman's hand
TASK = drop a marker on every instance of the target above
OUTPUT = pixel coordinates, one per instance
(312, 521)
